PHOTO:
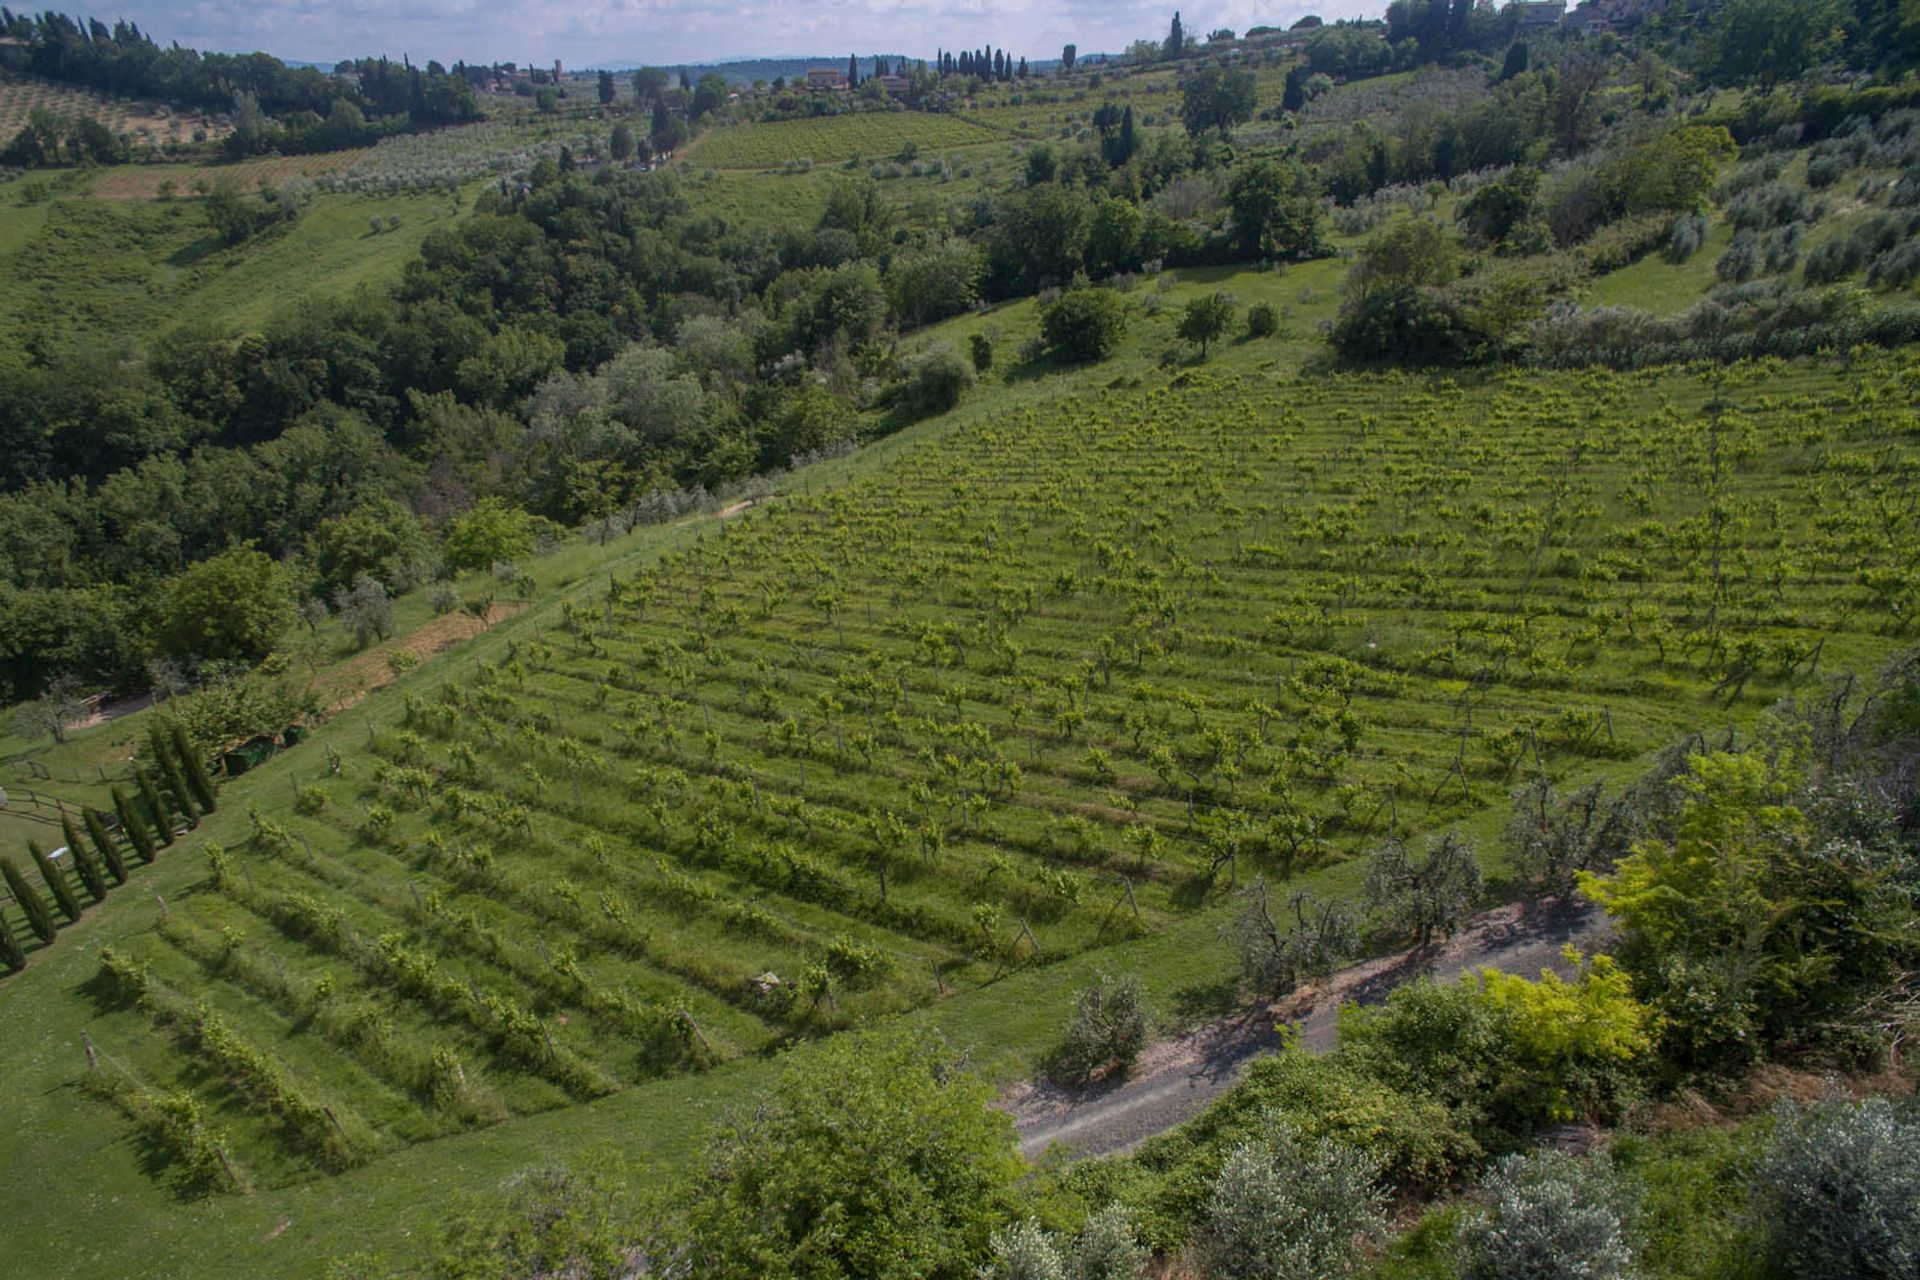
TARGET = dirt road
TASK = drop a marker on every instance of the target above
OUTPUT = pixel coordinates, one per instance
(1175, 1079)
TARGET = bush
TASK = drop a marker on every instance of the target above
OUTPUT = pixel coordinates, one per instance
(980, 348)
(1286, 1209)
(1825, 170)
(1897, 267)
(1834, 260)
(57, 883)
(1108, 1030)
(1084, 325)
(39, 918)
(932, 382)
(1688, 234)
(1263, 321)
(1024, 1252)
(1837, 1191)
(1741, 261)
(1550, 1216)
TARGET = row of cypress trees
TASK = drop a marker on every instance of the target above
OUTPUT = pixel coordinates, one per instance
(179, 788)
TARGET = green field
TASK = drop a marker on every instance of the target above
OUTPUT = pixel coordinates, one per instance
(98, 271)
(1012, 698)
(870, 135)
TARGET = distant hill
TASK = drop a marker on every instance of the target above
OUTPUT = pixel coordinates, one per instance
(745, 71)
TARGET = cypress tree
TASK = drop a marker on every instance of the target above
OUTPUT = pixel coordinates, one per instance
(138, 835)
(172, 779)
(11, 952)
(157, 807)
(199, 781)
(62, 890)
(84, 861)
(38, 917)
(105, 845)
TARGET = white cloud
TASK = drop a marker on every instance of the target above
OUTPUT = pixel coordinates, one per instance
(587, 32)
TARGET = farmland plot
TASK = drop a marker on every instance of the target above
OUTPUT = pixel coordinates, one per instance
(1046, 681)
(830, 138)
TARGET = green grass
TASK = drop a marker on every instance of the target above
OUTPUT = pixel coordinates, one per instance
(1234, 533)
(88, 272)
(870, 135)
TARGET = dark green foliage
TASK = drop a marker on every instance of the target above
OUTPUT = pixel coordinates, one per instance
(980, 348)
(172, 777)
(35, 906)
(12, 954)
(105, 845)
(57, 883)
(874, 1157)
(84, 861)
(1263, 320)
(158, 810)
(1212, 99)
(139, 834)
(1205, 319)
(931, 382)
(1085, 325)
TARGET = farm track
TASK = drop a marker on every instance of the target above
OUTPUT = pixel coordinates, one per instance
(1178, 1078)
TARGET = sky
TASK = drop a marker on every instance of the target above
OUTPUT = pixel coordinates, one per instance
(585, 33)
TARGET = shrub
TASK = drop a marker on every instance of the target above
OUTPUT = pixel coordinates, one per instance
(57, 883)
(1897, 267)
(84, 861)
(1834, 260)
(139, 835)
(1688, 234)
(1780, 248)
(980, 348)
(1263, 321)
(39, 918)
(1084, 325)
(194, 766)
(1825, 170)
(104, 844)
(1106, 1248)
(1024, 1252)
(1741, 261)
(178, 792)
(1837, 1191)
(932, 382)
(157, 807)
(1550, 1216)
(1286, 1209)
(1108, 1030)
(11, 952)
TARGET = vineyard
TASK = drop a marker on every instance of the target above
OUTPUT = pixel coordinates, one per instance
(147, 124)
(833, 138)
(1055, 678)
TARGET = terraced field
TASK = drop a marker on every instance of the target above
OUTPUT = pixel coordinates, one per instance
(874, 134)
(146, 123)
(1051, 679)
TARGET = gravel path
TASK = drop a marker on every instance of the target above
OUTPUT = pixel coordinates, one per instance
(1175, 1079)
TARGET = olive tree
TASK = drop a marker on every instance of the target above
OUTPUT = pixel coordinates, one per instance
(1282, 1208)
(1837, 1190)
(1551, 1216)
(1427, 897)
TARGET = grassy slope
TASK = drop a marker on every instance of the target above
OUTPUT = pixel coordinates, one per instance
(119, 1220)
(81, 269)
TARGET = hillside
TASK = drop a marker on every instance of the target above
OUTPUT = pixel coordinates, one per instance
(805, 609)
(932, 711)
